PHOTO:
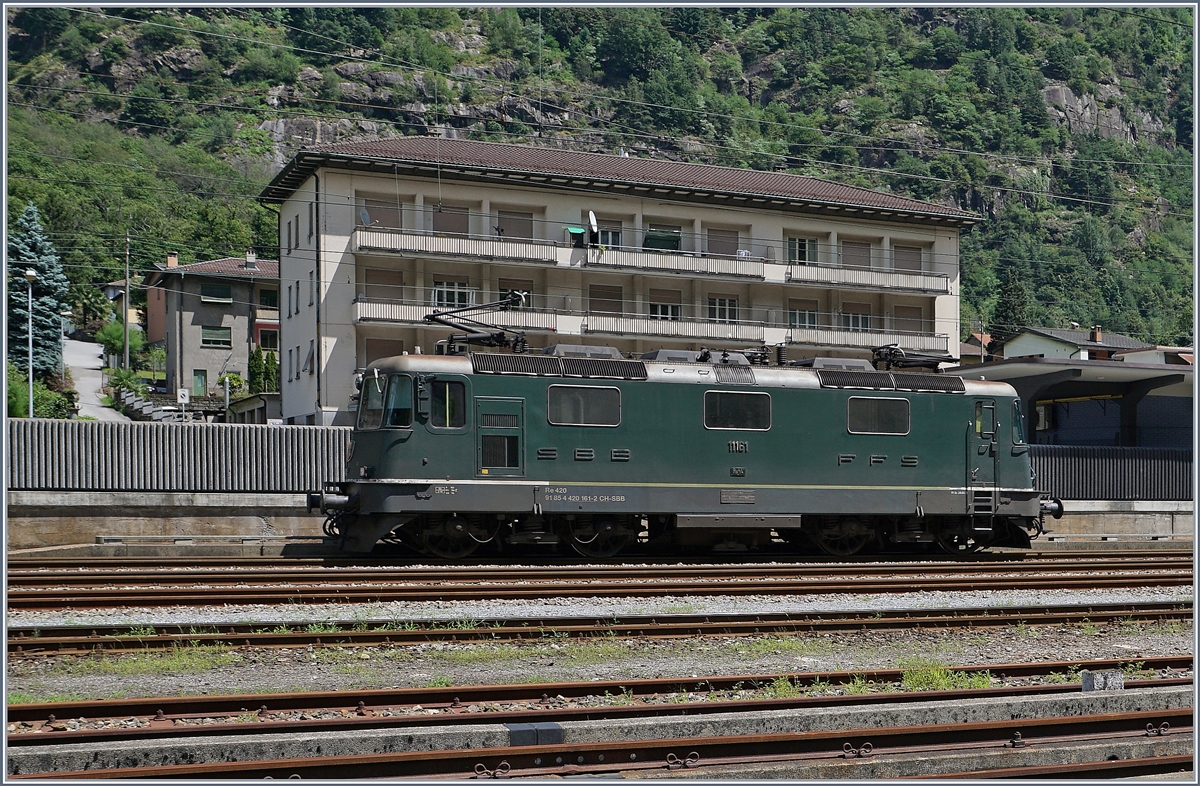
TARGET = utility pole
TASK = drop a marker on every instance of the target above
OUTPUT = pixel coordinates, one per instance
(125, 304)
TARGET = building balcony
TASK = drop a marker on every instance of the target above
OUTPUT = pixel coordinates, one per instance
(765, 328)
(755, 262)
(481, 247)
(266, 314)
(869, 278)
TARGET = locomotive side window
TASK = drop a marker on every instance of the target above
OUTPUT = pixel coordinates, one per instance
(572, 405)
(398, 412)
(739, 411)
(1018, 420)
(985, 420)
(877, 415)
(448, 405)
(370, 411)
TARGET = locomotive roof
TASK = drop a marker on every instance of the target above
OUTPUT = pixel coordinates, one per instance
(711, 374)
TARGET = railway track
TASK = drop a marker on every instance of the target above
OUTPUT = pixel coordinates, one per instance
(647, 755)
(205, 716)
(34, 641)
(30, 589)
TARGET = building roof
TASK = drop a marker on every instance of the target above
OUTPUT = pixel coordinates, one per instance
(224, 267)
(1083, 338)
(551, 167)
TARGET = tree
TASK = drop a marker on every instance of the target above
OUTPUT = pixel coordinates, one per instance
(30, 249)
(270, 373)
(112, 338)
(255, 369)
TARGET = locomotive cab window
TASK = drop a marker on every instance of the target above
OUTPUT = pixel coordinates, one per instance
(574, 405)
(877, 415)
(448, 405)
(370, 411)
(985, 419)
(398, 412)
(737, 411)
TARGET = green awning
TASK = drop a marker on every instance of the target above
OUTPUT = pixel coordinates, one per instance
(576, 230)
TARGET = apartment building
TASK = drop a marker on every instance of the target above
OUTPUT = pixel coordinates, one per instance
(629, 252)
(212, 314)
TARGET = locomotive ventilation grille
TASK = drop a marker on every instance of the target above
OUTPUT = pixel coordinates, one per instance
(735, 375)
(879, 380)
(604, 369)
(534, 365)
(494, 420)
(938, 383)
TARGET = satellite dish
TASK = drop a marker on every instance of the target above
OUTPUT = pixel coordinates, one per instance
(364, 216)
(592, 221)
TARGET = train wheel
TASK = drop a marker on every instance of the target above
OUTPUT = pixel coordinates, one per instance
(600, 537)
(842, 537)
(959, 543)
(449, 537)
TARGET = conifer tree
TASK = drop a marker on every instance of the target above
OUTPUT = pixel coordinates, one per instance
(30, 249)
(255, 369)
(270, 373)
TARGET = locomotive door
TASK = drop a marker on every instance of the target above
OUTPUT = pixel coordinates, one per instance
(981, 459)
(500, 437)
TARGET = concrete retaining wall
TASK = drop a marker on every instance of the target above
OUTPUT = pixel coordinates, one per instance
(1119, 518)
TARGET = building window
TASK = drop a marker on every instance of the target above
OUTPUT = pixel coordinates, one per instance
(312, 279)
(605, 299)
(452, 294)
(289, 237)
(297, 296)
(216, 293)
(199, 382)
(877, 415)
(310, 220)
(856, 254)
(571, 405)
(609, 235)
(722, 308)
(216, 337)
(289, 308)
(663, 237)
(856, 316)
(374, 213)
(802, 313)
(723, 242)
(289, 374)
(666, 304)
(740, 411)
(297, 362)
(451, 220)
(514, 224)
(506, 285)
(297, 225)
(310, 362)
(909, 319)
(802, 250)
(269, 340)
(268, 298)
(906, 258)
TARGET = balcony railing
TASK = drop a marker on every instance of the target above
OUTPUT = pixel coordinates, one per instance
(871, 278)
(480, 246)
(414, 313)
(868, 339)
(677, 262)
(687, 327)
(266, 314)
(673, 328)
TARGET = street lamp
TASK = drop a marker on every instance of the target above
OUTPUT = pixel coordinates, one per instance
(31, 276)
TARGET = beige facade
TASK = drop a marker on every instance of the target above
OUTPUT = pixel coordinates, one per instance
(366, 255)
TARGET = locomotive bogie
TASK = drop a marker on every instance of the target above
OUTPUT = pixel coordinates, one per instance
(458, 452)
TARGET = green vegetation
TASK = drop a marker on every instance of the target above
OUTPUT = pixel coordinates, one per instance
(1068, 129)
(180, 660)
(923, 675)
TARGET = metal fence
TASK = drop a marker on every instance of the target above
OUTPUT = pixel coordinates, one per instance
(81, 455)
(1111, 473)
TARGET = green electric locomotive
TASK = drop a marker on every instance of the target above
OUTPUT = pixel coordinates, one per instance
(582, 447)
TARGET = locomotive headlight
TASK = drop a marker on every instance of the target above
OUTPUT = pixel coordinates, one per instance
(349, 451)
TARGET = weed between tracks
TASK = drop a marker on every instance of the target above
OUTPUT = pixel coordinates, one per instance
(924, 675)
(180, 660)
